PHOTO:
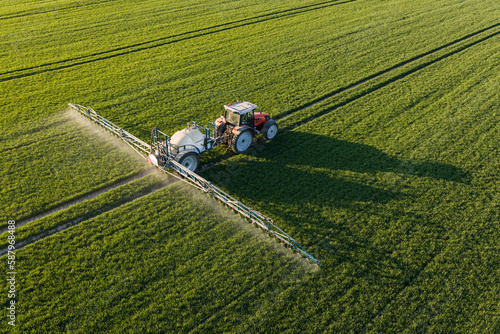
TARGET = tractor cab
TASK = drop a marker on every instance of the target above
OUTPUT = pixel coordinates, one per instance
(240, 114)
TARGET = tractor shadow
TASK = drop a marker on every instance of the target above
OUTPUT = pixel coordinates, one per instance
(319, 151)
(300, 180)
(303, 168)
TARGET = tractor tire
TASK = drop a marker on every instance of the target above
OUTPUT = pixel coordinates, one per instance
(242, 141)
(189, 159)
(270, 129)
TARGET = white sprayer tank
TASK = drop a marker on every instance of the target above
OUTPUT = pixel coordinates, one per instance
(187, 139)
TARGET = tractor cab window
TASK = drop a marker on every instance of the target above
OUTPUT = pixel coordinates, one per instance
(232, 118)
(247, 119)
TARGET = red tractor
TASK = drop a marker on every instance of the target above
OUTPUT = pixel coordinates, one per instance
(241, 122)
(236, 128)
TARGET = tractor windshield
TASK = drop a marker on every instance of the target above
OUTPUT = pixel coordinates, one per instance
(233, 118)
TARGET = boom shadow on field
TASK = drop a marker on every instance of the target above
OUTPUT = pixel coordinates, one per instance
(299, 179)
(302, 166)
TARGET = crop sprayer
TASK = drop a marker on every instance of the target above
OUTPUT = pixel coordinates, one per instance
(178, 155)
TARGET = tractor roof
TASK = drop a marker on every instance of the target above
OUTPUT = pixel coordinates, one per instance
(240, 107)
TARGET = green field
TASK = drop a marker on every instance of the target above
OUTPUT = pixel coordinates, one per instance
(89, 208)
(50, 160)
(387, 167)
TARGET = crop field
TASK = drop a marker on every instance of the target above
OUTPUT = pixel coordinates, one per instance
(53, 159)
(387, 167)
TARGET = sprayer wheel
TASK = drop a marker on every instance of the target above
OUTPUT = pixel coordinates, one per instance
(189, 159)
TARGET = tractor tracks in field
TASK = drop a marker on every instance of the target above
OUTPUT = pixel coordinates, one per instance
(43, 10)
(28, 144)
(385, 83)
(83, 198)
(370, 79)
(158, 42)
(75, 221)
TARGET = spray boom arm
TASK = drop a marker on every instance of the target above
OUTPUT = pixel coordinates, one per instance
(160, 145)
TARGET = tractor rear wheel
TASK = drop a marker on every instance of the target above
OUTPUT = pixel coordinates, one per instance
(270, 129)
(188, 159)
(242, 141)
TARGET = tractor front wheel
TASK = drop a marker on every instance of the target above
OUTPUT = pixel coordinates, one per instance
(188, 159)
(270, 129)
(242, 141)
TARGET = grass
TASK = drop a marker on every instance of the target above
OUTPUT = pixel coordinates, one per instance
(150, 261)
(393, 184)
(89, 208)
(390, 198)
(136, 89)
(53, 159)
